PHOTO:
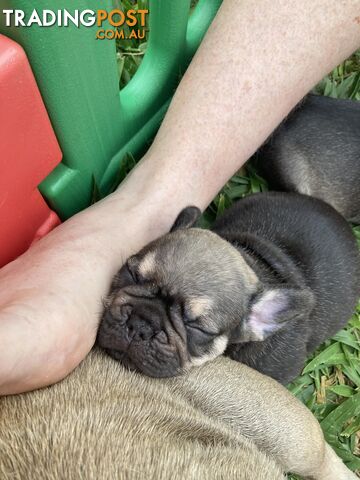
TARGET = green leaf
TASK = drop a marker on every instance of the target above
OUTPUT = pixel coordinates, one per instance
(351, 429)
(237, 192)
(120, 64)
(143, 4)
(330, 88)
(351, 374)
(330, 356)
(242, 181)
(333, 423)
(356, 86)
(344, 87)
(345, 336)
(221, 205)
(342, 390)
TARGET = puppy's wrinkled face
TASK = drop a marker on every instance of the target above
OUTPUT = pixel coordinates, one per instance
(174, 304)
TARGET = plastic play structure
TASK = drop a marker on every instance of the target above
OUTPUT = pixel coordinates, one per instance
(54, 145)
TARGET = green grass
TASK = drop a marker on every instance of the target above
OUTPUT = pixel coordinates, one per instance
(129, 52)
(344, 80)
(330, 382)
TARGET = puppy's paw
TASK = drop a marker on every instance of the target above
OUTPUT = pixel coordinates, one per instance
(333, 468)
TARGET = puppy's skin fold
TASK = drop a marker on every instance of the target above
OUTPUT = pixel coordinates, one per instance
(278, 274)
(221, 420)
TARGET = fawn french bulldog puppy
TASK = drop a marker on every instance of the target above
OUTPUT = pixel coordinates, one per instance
(222, 420)
(277, 275)
(316, 151)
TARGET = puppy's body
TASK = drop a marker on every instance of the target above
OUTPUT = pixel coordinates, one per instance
(278, 274)
(290, 239)
(221, 421)
(316, 151)
(293, 282)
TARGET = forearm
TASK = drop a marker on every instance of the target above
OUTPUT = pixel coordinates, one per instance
(257, 61)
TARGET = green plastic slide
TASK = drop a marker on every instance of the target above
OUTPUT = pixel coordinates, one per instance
(96, 125)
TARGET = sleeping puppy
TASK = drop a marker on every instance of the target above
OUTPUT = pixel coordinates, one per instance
(220, 421)
(316, 151)
(277, 275)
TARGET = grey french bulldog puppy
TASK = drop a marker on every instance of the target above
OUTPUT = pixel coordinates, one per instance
(316, 151)
(277, 275)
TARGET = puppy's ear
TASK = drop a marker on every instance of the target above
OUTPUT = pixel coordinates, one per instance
(186, 218)
(272, 310)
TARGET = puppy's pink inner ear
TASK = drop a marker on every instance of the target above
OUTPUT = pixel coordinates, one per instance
(275, 307)
(267, 315)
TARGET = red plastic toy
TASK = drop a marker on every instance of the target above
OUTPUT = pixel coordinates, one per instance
(29, 152)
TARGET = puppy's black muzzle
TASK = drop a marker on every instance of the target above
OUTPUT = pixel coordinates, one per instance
(136, 331)
(139, 330)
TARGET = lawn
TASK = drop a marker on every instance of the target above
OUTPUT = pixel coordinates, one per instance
(330, 382)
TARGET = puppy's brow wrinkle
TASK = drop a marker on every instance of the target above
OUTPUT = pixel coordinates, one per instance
(147, 265)
(200, 305)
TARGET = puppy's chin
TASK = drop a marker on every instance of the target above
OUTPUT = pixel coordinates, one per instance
(144, 333)
(146, 367)
(121, 357)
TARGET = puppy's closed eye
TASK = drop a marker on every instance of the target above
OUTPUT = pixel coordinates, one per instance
(193, 322)
(198, 334)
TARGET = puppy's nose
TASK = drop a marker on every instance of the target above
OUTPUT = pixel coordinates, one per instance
(139, 330)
